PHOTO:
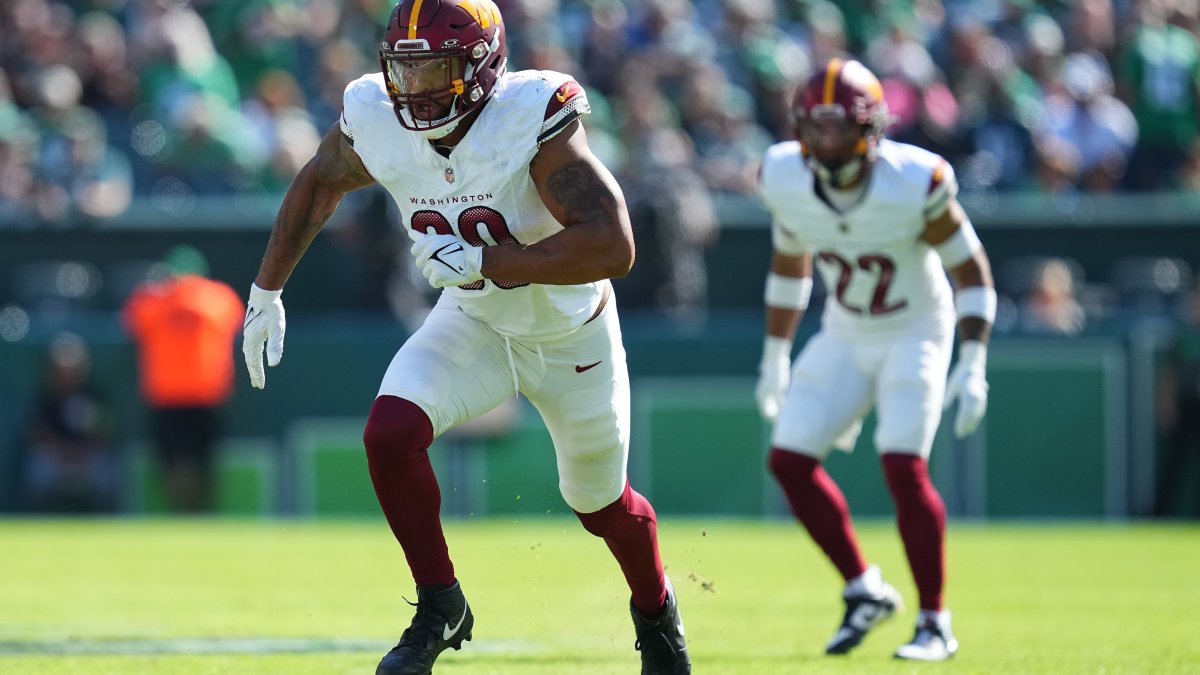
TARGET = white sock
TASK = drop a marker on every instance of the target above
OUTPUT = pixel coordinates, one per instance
(940, 617)
(869, 582)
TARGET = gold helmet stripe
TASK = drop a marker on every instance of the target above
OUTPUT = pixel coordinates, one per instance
(413, 18)
(831, 77)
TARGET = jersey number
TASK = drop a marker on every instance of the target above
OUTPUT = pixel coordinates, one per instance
(470, 222)
(884, 266)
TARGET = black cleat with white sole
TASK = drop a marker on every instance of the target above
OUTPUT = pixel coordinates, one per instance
(933, 640)
(864, 611)
(660, 640)
(443, 619)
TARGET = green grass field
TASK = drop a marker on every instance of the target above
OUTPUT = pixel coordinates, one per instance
(201, 597)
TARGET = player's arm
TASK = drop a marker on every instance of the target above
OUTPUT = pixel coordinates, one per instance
(953, 237)
(950, 234)
(597, 239)
(310, 200)
(789, 285)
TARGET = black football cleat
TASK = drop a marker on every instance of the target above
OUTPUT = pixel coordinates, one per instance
(443, 619)
(865, 609)
(933, 641)
(660, 640)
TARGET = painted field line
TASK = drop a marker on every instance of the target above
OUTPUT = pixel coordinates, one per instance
(232, 645)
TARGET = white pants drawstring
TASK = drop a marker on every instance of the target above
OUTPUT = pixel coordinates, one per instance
(512, 365)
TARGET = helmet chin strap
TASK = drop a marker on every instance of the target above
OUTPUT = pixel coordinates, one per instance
(436, 132)
(841, 177)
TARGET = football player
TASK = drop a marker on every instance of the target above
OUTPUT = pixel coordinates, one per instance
(879, 220)
(514, 217)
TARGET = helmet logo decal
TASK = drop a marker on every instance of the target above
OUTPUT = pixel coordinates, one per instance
(485, 11)
(858, 75)
(452, 42)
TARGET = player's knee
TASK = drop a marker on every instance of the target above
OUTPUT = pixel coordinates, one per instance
(629, 510)
(397, 427)
(603, 523)
(583, 500)
(596, 523)
(791, 468)
(905, 473)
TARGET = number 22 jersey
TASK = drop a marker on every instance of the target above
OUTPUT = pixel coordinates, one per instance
(878, 273)
(482, 192)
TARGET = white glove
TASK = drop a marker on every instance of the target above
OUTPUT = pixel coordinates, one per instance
(265, 323)
(774, 374)
(968, 384)
(446, 260)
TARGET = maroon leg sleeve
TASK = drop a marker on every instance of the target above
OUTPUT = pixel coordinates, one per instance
(921, 517)
(630, 529)
(397, 436)
(818, 503)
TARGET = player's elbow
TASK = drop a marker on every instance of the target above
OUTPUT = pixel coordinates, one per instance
(621, 260)
(974, 272)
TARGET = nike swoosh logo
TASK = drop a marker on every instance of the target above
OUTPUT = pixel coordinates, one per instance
(863, 618)
(580, 369)
(439, 251)
(251, 316)
(449, 632)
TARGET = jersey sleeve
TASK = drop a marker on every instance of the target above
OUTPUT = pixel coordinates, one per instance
(365, 107)
(568, 103)
(350, 110)
(943, 187)
(347, 130)
(784, 239)
(362, 101)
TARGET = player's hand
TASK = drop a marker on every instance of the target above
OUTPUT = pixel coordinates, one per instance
(446, 260)
(774, 375)
(264, 324)
(968, 384)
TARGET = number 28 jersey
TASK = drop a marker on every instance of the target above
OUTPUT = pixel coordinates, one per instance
(482, 193)
(878, 273)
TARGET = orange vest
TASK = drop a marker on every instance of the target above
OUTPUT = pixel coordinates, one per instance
(184, 329)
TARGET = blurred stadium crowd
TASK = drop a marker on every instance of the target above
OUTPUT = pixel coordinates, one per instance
(102, 101)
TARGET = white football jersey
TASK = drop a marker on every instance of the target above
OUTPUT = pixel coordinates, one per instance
(878, 273)
(482, 192)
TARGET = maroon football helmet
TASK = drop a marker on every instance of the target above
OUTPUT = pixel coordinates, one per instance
(840, 118)
(441, 59)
